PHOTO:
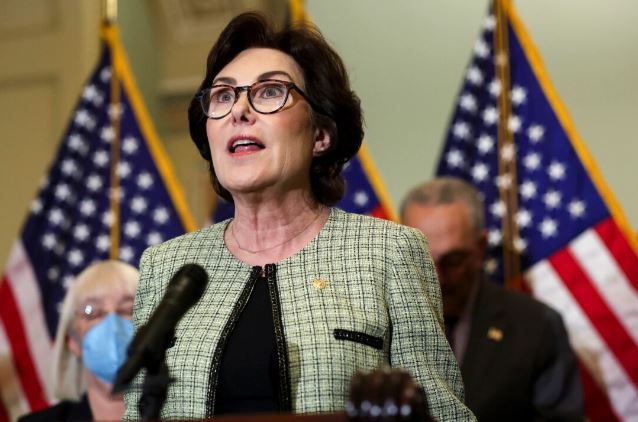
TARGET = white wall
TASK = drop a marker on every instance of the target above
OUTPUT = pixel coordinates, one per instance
(406, 59)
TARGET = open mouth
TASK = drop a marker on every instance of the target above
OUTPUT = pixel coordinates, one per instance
(245, 145)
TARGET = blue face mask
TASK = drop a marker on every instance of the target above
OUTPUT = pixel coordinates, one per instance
(104, 346)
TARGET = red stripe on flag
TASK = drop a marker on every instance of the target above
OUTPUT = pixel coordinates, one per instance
(380, 212)
(598, 312)
(597, 406)
(21, 353)
(615, 240)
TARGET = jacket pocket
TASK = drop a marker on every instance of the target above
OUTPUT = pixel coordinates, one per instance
(359, 337)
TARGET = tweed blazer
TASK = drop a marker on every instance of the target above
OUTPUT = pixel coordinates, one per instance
(362, 294)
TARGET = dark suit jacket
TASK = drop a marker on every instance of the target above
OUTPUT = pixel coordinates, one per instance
(72, 411)
(518, 364)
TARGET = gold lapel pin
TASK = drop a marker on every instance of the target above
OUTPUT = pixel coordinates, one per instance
(318, 283)
(495, 334)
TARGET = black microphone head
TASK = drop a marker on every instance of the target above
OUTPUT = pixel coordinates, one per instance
(188, 283)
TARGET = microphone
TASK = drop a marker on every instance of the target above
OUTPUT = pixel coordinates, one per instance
(148, 348)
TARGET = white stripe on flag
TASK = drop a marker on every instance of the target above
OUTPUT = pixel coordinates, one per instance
(11, 394)
(587, 343)
(23, 282)
(609, 279)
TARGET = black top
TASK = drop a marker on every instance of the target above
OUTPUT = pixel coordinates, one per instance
(74, 411)
(248, 375)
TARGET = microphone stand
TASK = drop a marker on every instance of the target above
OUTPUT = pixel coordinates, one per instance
(156, 382)
(156, 377)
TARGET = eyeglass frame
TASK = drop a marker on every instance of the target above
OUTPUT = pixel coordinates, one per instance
(91, 311)
(237, 90)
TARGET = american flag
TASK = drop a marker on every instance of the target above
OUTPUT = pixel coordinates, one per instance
(109, 193)
(365, 191)
(550, 217)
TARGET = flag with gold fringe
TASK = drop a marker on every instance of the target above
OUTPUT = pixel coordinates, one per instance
(109, 193)
(553, 224)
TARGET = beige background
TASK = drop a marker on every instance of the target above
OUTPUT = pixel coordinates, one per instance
(406, 59)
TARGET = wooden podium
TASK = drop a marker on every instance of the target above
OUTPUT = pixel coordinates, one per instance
(286, 417)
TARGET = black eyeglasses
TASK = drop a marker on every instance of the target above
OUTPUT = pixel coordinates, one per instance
(267, 96)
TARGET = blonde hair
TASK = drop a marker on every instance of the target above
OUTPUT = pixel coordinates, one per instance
(67, 369)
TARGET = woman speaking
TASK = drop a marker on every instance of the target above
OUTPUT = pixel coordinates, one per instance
(301, 295)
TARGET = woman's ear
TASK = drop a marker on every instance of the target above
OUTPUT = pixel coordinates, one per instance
(322, 142)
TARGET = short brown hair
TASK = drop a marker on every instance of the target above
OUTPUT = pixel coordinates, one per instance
(336, 108)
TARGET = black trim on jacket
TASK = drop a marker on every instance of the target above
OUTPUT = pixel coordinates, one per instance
(285, 403)
(359, 337)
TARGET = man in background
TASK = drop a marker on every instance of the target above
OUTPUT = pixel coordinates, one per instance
(513, 351)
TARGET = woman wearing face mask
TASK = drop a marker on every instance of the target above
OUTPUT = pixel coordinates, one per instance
(90, 345)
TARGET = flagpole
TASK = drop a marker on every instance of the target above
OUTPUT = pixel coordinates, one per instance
(507, 152)
(109, 19)
(298, 14)
(109, 11)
